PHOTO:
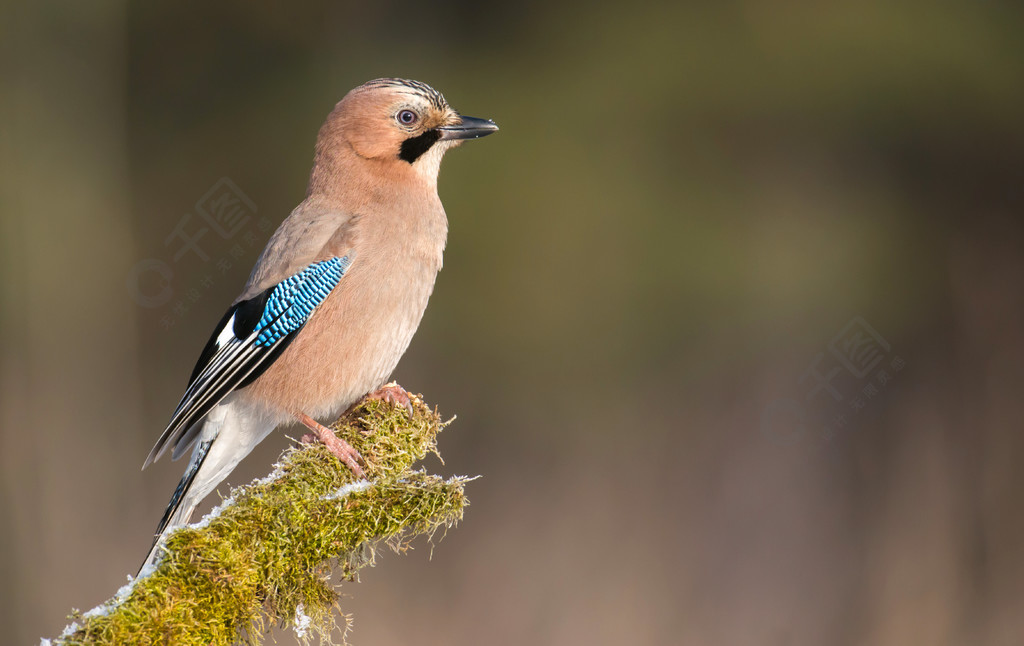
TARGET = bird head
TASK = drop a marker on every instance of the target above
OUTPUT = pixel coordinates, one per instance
(402, 124)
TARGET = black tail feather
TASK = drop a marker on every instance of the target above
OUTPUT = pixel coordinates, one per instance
(202, 450)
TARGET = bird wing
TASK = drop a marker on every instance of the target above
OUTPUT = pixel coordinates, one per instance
(252, 334)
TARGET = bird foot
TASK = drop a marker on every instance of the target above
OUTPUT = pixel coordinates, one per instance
(339, 447)
(393, 394)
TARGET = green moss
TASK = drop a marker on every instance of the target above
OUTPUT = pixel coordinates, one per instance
(272, 547)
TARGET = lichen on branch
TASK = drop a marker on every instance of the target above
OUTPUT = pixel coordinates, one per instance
(264, 556)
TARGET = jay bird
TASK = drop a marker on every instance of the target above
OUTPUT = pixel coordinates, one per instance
(336, 296)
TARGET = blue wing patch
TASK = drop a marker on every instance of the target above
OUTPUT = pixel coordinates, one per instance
(294, 299)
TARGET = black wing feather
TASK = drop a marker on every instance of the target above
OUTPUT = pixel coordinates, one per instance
(250, 337)
(223, 366)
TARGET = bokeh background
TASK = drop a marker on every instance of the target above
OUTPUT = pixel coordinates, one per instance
(653, 277)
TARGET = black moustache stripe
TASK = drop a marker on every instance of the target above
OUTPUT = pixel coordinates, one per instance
(413, 147)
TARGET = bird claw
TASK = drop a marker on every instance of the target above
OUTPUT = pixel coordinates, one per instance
(392, 394)
(339, 447)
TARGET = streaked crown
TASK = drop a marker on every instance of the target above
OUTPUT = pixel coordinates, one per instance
(435, 98)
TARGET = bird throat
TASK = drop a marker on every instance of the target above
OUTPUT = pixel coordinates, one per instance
(413, 147)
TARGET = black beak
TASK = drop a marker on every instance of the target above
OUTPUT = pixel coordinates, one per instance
(470, 128)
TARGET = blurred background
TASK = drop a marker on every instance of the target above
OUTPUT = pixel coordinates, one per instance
(730, 316)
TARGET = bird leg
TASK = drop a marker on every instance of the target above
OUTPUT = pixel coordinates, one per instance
(339, 447)
(393, 394)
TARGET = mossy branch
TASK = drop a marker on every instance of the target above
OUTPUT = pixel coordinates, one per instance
(265, 555)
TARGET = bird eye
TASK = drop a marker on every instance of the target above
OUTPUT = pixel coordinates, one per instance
(407, 117)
